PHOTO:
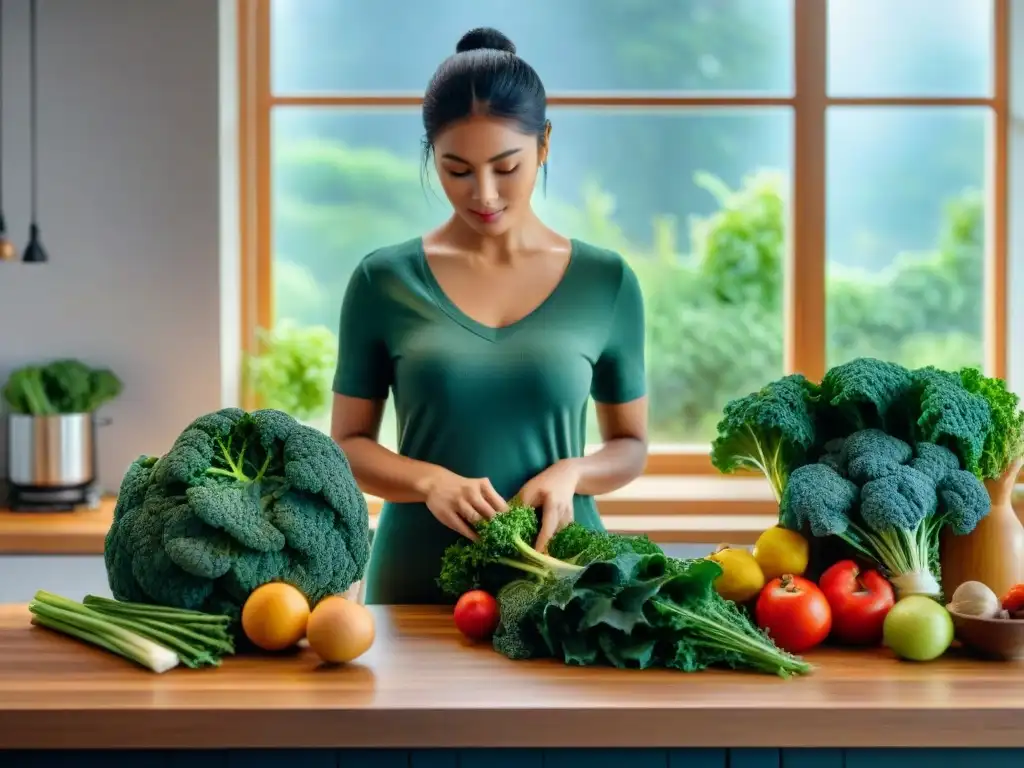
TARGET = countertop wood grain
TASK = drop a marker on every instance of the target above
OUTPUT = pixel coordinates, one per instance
(421, 686)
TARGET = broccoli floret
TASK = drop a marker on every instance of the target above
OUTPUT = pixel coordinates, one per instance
(871, 453)
(963, 501)
(952, 416)
(899, 501)
(516, 637)
(240, 499)
(864, 393)
(581, 545)
(1004, 440)
(820, 498)
(505, 541)
(769, 431)
(934, 460)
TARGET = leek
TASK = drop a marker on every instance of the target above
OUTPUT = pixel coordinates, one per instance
(80, 622)
(150, 635)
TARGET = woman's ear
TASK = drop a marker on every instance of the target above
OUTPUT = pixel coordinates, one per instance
(545, 144)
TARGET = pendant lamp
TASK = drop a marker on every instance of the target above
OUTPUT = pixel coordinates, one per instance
(7, 250)
(34, 251)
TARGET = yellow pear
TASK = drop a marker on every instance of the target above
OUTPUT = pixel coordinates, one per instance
(741, 578)
(780, 551)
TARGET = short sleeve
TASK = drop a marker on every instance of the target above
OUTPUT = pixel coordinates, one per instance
(619, 373)
(364, 365)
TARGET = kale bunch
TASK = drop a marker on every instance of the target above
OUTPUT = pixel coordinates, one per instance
(60, 387)
(240, 499)
(599, 598)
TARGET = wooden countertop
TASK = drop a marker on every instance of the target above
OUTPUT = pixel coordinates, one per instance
(671, 509)
(421, 686)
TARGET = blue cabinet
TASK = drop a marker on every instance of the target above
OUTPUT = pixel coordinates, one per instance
(522, 758)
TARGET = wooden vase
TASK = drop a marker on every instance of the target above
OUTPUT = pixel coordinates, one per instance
(993, 553)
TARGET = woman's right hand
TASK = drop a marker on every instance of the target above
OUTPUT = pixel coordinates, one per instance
(460, 502)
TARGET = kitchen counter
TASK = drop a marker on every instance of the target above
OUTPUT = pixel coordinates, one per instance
(423, 691)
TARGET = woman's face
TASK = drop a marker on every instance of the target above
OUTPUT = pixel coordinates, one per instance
(488, 170)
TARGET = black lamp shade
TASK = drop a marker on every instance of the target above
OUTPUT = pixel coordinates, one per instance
(34, 251)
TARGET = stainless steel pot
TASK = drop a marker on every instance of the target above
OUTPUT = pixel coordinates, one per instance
(51, 451)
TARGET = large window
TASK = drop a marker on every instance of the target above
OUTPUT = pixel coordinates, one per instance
(797, 182)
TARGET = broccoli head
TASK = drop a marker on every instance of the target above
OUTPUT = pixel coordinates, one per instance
(899, 501)
(871, 453)
(240, 499)
(769, 431)
(863, 393)
(936, 461)
(820, 498)
(963, 501)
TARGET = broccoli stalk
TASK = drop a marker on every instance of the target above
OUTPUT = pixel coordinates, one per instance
(503, 541)
(769, 431)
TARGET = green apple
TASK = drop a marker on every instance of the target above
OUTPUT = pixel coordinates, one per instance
(918, 628)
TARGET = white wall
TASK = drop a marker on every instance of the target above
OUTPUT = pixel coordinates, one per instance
(129, 202)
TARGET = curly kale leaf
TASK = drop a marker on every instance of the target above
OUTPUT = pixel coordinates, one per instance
(769, 431)
(1004, 440)
(950, 415)
(240, 499)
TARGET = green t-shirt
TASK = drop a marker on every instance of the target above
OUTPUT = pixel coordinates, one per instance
(501, 403)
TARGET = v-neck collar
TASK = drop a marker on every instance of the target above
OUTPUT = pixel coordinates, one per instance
(488, 332)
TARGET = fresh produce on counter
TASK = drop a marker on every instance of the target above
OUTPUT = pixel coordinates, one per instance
(240, 499)
(602, 598)
(275, 616)
(878, 456)
(1013, 600)
(476, 615)
(917, 628)
(742, 578)
(860, 600)
(340, 630)
(779, 551)
(972, 598)
(794, 613)
(60, 386)
(155, 637)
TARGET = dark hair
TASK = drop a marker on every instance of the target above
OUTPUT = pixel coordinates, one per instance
(484, 76)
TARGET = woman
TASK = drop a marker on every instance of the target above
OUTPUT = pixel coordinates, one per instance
(492, 331)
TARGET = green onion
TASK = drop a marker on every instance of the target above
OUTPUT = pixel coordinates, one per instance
(195, 639)
(75, 620)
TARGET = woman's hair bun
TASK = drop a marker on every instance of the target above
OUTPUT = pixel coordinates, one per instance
(485, 38)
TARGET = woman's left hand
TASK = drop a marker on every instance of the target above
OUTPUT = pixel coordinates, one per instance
(552, 493)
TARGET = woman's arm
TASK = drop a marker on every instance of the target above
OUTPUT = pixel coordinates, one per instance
(355, 427)
(622, 457)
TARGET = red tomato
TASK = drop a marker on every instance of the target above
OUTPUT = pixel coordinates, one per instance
(476, 615)
(859, 601)
(794, 612)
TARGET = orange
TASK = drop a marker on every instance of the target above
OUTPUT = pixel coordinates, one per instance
(340, 630)
(274, 616)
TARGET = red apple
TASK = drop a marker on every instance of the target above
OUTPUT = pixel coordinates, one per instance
(859, 600)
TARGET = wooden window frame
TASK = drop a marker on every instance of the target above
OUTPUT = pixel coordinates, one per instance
(805, 283)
